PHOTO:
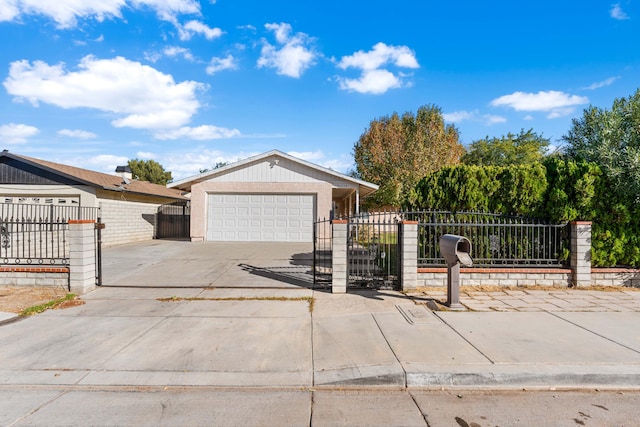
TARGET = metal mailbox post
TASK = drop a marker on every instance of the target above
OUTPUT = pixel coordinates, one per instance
(456, 250)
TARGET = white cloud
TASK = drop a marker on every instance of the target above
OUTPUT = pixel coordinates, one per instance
(13, 133)
(371, 81)
(380, 55)
(145, 155)
(191, 28)
(140, 95)
(77, 133)
(293, 57)
(604, 83)
(307, 155)
(106, 163)
(66, 12)
(219, 64)
(342, 164)
(616, 12)
(458, 116)
(490, 119)
(555, 103)
(184, 164)
(475, 116)
(178, 51)
(201, 133)
(374, 78)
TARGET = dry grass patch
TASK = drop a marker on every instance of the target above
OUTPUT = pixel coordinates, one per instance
(15, 299)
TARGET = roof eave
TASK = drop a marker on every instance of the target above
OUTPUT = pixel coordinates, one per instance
(186, 183)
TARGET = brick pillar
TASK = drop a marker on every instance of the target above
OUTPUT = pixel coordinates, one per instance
(340, 273)
(581, 253)
(408, 245)
(82, 256)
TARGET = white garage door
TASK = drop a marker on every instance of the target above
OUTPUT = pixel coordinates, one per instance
(260, 217)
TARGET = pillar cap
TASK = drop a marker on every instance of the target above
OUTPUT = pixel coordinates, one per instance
(82, 221)
(581, 222)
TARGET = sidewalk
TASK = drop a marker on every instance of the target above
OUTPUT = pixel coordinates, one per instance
(243, 337)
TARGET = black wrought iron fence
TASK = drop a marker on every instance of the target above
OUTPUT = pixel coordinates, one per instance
(322, 251)
(37, 234)
(42, 213)
(497, 240)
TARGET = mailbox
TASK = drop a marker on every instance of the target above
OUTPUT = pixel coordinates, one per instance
(456, 249)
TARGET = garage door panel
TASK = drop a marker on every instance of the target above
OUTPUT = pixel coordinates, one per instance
(260, 217)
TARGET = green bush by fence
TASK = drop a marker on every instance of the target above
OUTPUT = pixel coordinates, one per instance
(557, 190)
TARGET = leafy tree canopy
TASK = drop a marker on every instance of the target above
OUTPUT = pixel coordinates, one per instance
(611, 139)
(396, 152)
(522, 149)
(149, 170)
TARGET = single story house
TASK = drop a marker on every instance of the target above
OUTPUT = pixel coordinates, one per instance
(272, 197)
(127, 206)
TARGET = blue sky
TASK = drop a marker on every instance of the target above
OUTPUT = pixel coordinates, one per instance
(191, 83)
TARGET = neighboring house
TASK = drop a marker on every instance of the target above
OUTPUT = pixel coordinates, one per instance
(128, 206)
(270, 197)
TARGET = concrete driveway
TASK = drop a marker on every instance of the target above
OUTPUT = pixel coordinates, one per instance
(177, 264)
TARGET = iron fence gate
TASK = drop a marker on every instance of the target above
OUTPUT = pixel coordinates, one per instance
(373, 251)
(98, 249)
(322, 252)
(173, 220)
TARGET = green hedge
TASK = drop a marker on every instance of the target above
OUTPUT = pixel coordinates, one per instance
(557, 190)
(497, 189)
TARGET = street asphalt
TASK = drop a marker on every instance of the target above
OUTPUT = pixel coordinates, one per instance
(247, 318)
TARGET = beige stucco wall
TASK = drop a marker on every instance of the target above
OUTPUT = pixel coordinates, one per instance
(200, 192)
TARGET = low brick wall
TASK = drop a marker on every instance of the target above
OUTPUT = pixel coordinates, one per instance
(615, 277)
(557, 277)
(34, 276)
(498, 277)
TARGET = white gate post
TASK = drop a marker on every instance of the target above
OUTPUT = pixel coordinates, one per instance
(339, 273)
(82, 256)
(408, 255)
(581, 253)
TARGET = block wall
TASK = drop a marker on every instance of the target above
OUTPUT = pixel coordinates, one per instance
(127, 222)
(34, 276)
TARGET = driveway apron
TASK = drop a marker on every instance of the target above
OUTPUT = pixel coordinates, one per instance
(176, 264)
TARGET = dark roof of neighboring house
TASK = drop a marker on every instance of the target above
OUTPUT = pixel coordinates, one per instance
(99, 179)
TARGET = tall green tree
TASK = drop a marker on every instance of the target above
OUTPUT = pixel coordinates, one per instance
(523, 148)
(396, 152)
(149, 170)
(611, 139)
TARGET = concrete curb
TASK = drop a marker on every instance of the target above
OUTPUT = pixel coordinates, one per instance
(8, 317)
